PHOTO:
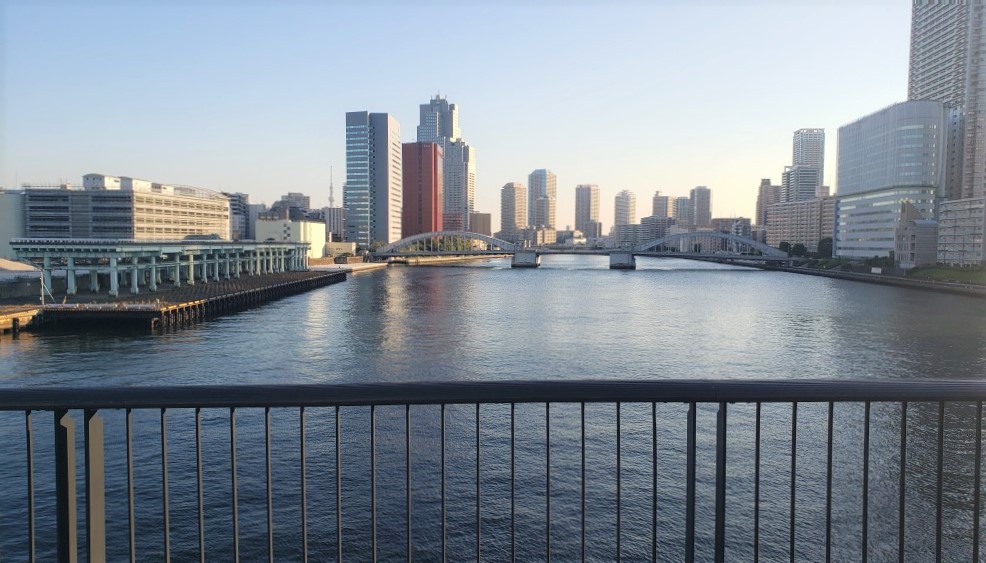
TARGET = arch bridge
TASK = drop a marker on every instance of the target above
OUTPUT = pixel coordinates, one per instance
(447, 243)
(704, 245)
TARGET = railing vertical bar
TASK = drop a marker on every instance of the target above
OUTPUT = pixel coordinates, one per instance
(269, 487)
(794, 478)
(165, 505)
(756, 491)
(866, 481)
(443, 482)
(302, 455)
(407, 477)
(513, 484)
(582, 481)
(95, 487)
(479, 523)
(338, 486)
(720, 554)
(828, 485)
(619, 480)
(653, 529)
(977, 481)
(941, 475)
(373, 483)
(901, 504)
(233, 489)
(547, 481)
(29, 439)
(131, 529)
(690, 487)
(198, 482)
(65, 488)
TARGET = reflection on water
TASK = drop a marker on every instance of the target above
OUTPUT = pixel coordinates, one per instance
(571, 318)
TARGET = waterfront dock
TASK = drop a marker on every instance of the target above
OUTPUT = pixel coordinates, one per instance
(176, 307)
(16, 318)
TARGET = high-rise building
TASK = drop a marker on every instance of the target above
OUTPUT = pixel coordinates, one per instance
(948, 40)
(372, 194)
(422, 194)
(481, 223)
(513, 211)
(701, 202)
(626, 208)
(460, 184)
(542, 183)
(661, 206)
(439, 121)
(544, 212)
(439, 124)
(768, 195)
(803, 179)
(587, 210)
(809, 150)
(682, 212)
(893, 156)
(799, 183)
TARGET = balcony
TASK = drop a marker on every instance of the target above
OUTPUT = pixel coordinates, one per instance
(565, 470)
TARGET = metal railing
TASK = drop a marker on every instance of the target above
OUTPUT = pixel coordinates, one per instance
(639, 398)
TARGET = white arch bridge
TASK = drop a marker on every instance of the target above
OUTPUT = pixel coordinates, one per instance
(702, 245)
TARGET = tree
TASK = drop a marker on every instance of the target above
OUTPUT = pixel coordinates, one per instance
(825, 248)
(799, 250)
(784, 246)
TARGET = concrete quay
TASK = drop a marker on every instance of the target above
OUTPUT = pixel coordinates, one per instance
(942, 287)
(181, 306)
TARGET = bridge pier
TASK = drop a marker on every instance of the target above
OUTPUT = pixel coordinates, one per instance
(525, 259)
(622, 260)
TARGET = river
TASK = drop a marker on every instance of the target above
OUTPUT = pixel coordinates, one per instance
(570, 318)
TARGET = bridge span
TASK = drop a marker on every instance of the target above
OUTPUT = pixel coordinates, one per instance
(702, 245)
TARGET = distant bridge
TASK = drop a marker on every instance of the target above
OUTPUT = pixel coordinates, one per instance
(702, 245)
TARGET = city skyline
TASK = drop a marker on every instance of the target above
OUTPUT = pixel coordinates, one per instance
(214, 111)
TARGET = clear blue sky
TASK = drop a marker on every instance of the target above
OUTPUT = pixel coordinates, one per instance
(251, 96)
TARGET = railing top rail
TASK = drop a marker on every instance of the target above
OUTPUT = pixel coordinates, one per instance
(568, 391)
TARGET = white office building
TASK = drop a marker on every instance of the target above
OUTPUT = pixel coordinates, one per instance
(893, 156)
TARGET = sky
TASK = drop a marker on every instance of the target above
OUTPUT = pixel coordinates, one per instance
(251, 96)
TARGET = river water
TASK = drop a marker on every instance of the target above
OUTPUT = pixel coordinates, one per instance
(570, 318)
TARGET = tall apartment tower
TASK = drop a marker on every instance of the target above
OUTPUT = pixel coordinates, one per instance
(701, 203)
(372, 195)
(422, 194)
(948, 43)
(542, 183)
(803, 179)
(626, 208)
(439, 124)
(661, 206)
(768, 195)
(513, 211)
(682, 211)
(587, 210)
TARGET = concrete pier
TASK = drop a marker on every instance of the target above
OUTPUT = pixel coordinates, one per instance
(619, 260)
(177, 307)
(525, 259)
